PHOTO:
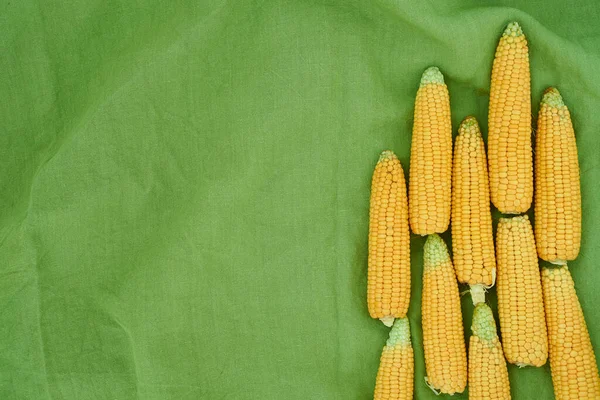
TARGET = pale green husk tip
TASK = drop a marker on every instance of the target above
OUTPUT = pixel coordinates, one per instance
(552, 98)
(400, 333)
(483, 325)
(513, 29)
(435, 251)
(432, 75)
(386, 155)
(469, 121)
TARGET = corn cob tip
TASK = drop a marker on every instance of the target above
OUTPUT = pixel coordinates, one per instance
(432, 75)
(513, 29)
(552, 98)
(400, 333)
(469, 126)
(469, 121)
(572, 361)
(483, 325)
(387, 320)
(387, 155)
(435, 251)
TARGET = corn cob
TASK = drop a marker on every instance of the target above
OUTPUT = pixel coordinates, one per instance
(431, 156)
(520, 300)
(388, 288)
(443, 336)
(572, 360)
(488, 375)
(396, 367)
(509, 139)
(472, 239)
(557, 192)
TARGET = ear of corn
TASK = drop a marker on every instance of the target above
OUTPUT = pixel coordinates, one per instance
(431, 156)
(509, 136)
(396, 367)
(488, 375)
(572, 360)
(520, 301)
(472, 239)
(443, 336)
(557, 191)
(388, 289)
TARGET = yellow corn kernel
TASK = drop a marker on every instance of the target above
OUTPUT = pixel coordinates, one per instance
(443, 335)
(388, 288)
(395, 376)
(509, 136)
(431, 157)
(472, 238)
(520, 301)
(488, 375)
(557, 192)
(572, 360)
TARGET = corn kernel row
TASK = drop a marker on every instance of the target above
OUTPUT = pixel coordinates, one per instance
(509, 137)
(520, 300)
(557, 192)
(388, 287)
(472, 238)
(443, 337)
(488, 375)
(431, 157)
(572, 360)
(396, 367)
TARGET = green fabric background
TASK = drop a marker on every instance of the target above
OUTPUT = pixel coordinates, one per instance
(184, 185)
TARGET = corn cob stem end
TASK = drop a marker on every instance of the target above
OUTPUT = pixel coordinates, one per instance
(430, 386)
(432, 75)
(513, 29)
(558, 262)
(388, 320)
(478, 293)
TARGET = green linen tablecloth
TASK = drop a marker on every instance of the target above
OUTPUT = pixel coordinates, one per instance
(184, 185)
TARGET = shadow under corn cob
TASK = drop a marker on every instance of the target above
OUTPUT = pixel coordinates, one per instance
(557, 188)
(388, 287)
(443, 335)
